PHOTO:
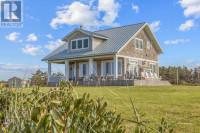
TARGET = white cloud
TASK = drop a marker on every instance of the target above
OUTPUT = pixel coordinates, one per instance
(187, 25)
(87, 15)
(155, 26)
(20, 41)
(53, 44)
(190, 61)
(177, 41)
(49, 36)
(32, 37)
(192, 7)
(32, 50)
(13, 36)
(11, 67)
(110, 8)
(135, 7)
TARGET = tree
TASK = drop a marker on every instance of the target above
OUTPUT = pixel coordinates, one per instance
(39, 78)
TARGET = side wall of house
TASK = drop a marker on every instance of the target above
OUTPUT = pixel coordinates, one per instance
(145, 56)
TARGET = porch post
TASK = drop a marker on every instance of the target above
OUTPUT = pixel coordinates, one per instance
(49, 70)
(115, 67)
(67, 69)
(90, 66)
(124, 68)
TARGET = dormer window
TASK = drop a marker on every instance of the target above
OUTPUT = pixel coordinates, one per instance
(82, 43)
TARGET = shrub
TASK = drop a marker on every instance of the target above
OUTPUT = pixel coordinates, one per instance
(59, 110)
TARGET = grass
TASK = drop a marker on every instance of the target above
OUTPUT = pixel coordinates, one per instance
(173, 103)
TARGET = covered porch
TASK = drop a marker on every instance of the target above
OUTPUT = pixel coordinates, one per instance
(111, 67)
(110, 70)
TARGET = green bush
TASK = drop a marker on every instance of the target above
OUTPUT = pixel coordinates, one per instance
(59, 110)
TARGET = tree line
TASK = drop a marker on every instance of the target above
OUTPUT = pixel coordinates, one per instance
(184, 74)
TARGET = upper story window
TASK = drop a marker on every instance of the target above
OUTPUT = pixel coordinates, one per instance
(148, 44)
(81, 43)
(138, 43)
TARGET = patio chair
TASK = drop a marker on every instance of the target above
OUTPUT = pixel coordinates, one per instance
(92, 77)
(143, 75)
(156, 76)
(152, 75)
(147, 75)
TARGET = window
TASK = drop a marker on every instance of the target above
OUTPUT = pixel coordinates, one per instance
(80, 43)
(86, 43)
(153, 68)
(108, 68)
(138, 44)
(148, 45)
(73, 44)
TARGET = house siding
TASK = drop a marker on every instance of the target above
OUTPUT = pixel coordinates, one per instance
(77, 36)
(14, 82)
(131, 51)
(96, 42)
(145, 54)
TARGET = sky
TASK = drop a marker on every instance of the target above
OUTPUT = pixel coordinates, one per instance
(175, 24)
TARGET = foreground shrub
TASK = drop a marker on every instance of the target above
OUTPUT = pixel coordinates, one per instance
(59, 110)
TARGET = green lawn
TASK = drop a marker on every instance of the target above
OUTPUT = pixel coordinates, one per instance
(156, 102)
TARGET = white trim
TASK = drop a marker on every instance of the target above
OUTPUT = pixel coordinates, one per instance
(132, 37)
(67, 69)
(79, 58)
(110, 61)
(134, 58)
(49, 70)
(82, 43)
(124, 68)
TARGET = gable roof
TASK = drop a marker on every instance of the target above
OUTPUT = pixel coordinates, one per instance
(89, 33)
(118, 38)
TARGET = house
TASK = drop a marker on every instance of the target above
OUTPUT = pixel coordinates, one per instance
(25, 83)
(115, 54)
(14, 82)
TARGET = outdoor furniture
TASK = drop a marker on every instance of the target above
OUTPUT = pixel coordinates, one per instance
(152, 75)
(143, 75)
(155, 75)
(147, 75)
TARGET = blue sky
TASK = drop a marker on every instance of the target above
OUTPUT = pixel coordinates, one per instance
(174, 22)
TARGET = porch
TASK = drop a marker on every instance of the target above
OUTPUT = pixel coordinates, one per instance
(112, 70)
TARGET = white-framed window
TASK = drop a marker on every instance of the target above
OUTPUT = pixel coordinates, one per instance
(108, 68)
(83, 69)
(148, 44)
(81, 43)
(138, 43)
(152, 67)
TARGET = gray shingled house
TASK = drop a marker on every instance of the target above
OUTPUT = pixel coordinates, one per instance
(14, 82)
(115, 55)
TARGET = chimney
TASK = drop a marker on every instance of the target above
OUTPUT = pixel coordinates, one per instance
(81, 27)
